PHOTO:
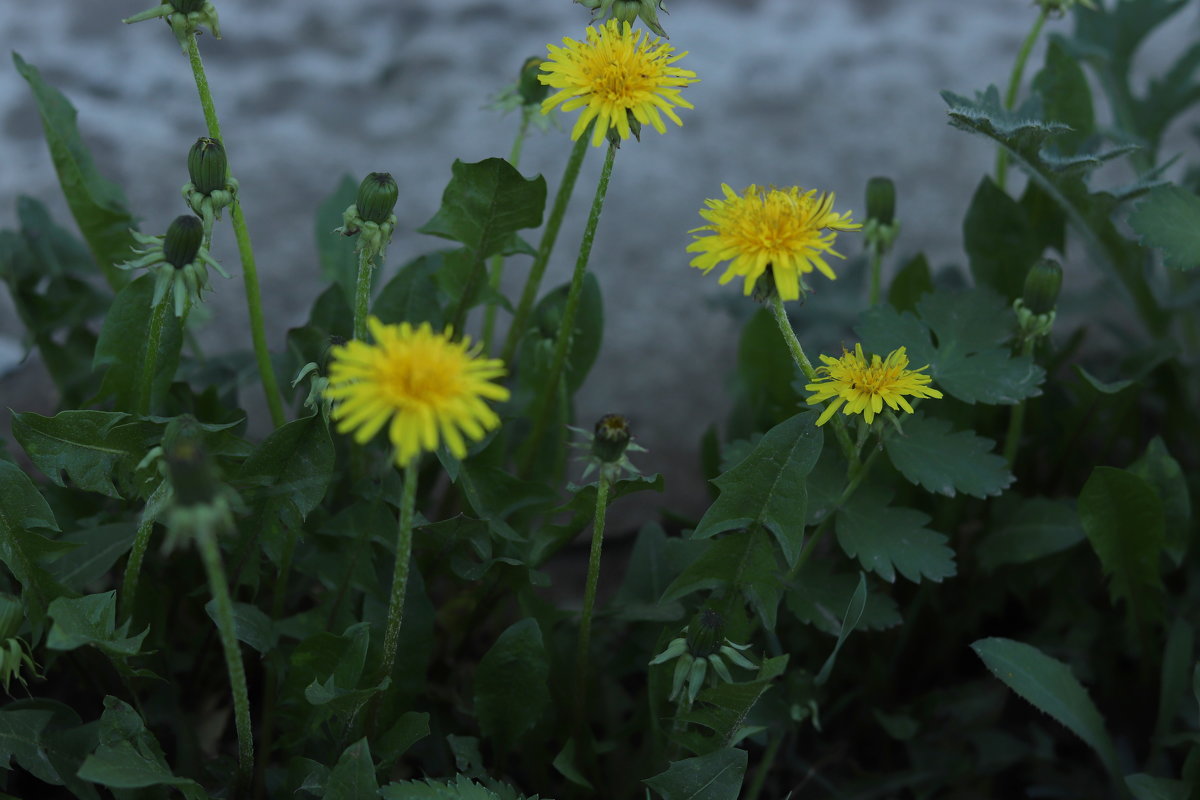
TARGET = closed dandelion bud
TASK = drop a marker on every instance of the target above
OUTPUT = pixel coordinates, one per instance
(881, 200)
(611, 439)
(532, 91)
(183, 239)
(207, 166)
(377, 197)
(705, 633)
(190, 472)
(1042, 285)
(187, 6)
(626, 10)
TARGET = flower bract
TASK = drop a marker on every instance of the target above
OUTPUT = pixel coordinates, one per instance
(423, 385)
(615, 74)
(862, 386)
(788, 230)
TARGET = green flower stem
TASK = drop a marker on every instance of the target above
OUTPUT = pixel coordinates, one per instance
(210, 552)
(589, 596)
(876, 255)
(245, 251)
(545, 247)
(497, 267)
(362, 294)
(764, 767)
(541, 409)
(1014, 86)
(395, 616)
(1016, 421)
(793, 344)
(158, 317)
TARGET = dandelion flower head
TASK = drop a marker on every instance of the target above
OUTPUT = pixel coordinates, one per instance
(615, 73)
(424, 386)
(788, 230)
(863, 386)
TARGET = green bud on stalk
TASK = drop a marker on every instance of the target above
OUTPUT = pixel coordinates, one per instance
(187, 6)
(207, 165)
(182, 242)
(531, 90)
(611, 438)
(705, 633)
(881, 200)
(1042, 285)
(377, 197)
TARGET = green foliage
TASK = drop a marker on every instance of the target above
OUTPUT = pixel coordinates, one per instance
(715, 776)
(137, 379)
(510, 685)
(335, 254)
(1169, 218)
(930, 455)
(129, 757)
(886, 539)
(1039, 527)
(485, 204)
(91, 619)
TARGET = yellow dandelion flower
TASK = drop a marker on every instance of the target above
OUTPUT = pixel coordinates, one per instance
(863, 387)
(425, 387)
(615, 73)
(785, 229)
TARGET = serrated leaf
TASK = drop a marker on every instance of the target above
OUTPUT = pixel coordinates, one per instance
(335, 252)
(47, 739)
(768, 487)
(97, 204)
(929, 454)
(124, 348)
(715, 776)
(819, 596)
(1038, 528)
(1123, 519)
(511, 684)
(850, 619)
(129, 757)
(887, 540)
(23, 511)
(91, 447)
(1158, 468)
(91, 619)
(461, 788)
(1169, 218)
(743, 561)
(1049, 685)
(485, 203)
(353, 777)
(724, 708)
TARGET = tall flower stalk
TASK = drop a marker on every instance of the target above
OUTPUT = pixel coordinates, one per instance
(1014, 86)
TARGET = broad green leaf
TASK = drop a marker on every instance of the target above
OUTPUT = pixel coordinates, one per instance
(129, 757)
(1169, 218)
(335, 252)
(819, 596)
(23, 512)
(97, 204)
(251, 625)
(743, 561)
(1147, 787)
(912, 282)
(1049, 685)
(1177, 665)
(1123, 519)
(1159, 469)
(656, 560)
(92, 448)
(724, 708)
(97, 549)
(929, 454)
(564, 764)
(412, 295)
(1038, 528)
(715, 776)
(124, 348)
(461, 788)
(412, 727)
(589, 327)
(999, 240)
(854, 612)
(353, 777)
(1066, 96)
(887, 540)
(485, 204)
(48, 740)
(768, 487)
(91, 619)
(458, 268)
(511, 684)
(494, 495)
(765, 372)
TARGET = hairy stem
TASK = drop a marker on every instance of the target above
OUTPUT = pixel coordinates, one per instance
(1014, 86)
(362, 294)
(158, 317)
(395, 615)
(589, 600)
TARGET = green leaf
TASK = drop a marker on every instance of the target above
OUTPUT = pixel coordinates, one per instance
(129, 757)
(819, 596)
(1123, 519)
(971, 360)
(97, 204)
(48, 740)
(999, 240)
(91, 619)
(655, 562)
(512, 684)
(96, 550)
(1066, 96)
(887, 540)
(251, 625)
(1147, 787)
(1169, 218)
(461, 788)
(768, 487)
(455, 273)
(412, 727)
(765, 372)
(1049, 685)
(912, 281)
(1038, 528)
(589, 327)
(353, 778)
(1177, 665)
(485, 204)
(743, 561)
(854, 612)
(930, 455)
(564, 764)
(716, 776)
(335, 253)
(92, 448)
(1158, 468)
(412, 295)
(124, 347)
(23, 511)
(725, 707)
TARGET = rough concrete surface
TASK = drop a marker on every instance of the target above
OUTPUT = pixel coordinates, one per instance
(823, 95)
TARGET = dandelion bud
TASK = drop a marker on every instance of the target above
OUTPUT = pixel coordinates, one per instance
(611, 439)
(183, 239)
(626, 10)
(187, 6)
(191, 473)
(532, 91)
(377, 197)
(207, 166)
(705, 633)
(1042, 285)
(881, 200)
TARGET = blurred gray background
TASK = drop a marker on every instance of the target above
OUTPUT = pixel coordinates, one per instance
(824, 95)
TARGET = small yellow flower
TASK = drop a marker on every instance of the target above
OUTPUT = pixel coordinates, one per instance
(865, 386)
(786, 230)
(427, 386)
(615, 73)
